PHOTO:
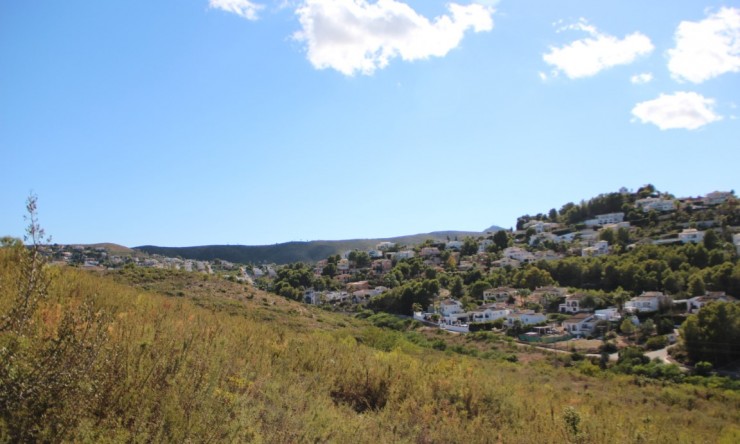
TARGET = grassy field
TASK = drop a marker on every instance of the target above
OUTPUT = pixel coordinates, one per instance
(149, 355)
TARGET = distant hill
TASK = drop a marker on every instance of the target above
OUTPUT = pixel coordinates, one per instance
(112, 248)
(289, 252)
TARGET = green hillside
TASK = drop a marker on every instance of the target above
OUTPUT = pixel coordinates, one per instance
(146, 355)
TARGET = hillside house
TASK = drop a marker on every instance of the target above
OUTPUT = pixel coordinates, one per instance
(691, 235)
(648, 301)
(385, 246)
(540, 226)
(656, 204)
(500, 294)
(506, 262)
(695, 304)
(454, 245)
(405, 254)
(487, 313)
(484, 244)
(356, 286)
(526, 317)
(604, 219)
(519, 254)
(429, 252)
(573, 304)
(452, 311)
(581, 324)
(601, 248)
(717, 197)
(610, 314)
(382, 266)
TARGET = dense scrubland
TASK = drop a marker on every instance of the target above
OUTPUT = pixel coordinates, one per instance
(148, 355)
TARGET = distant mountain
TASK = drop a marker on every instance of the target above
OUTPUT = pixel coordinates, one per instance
(289, 252)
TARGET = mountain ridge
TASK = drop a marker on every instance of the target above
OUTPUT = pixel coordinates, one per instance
(298, 251)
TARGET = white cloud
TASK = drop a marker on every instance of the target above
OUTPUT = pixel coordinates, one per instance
(589, 56)
(357, 36)
(243, 8)
(687, 110)
(707, 48)
(639, 79)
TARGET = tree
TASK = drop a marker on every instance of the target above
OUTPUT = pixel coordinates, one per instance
(627, 327)
(329, 270)
(713, 334)
(711, 240)
(477, 288)
(501, 239)
(696, 286)
(457, 290)
(469, 247)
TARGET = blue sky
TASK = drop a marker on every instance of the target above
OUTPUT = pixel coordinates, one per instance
(256, 122)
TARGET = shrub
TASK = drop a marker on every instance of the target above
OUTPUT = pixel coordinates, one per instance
(656, 342)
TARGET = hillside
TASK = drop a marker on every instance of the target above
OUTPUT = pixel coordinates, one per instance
(167, 356)
(289, 252)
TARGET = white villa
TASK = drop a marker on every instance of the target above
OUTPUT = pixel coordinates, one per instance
(601, 248)
(486, 313)
(691, 235)
(646, 302)
(695, 304)
(604, 219)
(656, 204)
(580, 325)
(519, 254)
(572, 304)
(527, 317)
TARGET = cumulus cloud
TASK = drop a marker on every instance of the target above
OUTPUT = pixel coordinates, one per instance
(589, 56)
(639, 79)
(687, 110)
(243, 8)
(353, 36)
(707, 48)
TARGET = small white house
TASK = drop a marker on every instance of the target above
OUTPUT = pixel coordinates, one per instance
(572, 304)
(518, 254)
(695, 304)
(487, 313)
(655, 204)
(604, 219)
(647, 302)
(580, 325)
(610, 314)
(527, 317)
(601, 248)
(691, 235)
(450, 306)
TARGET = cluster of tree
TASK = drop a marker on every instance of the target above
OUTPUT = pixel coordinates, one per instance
(402, 299)
(713, 335)
(686, 270)
(572, 213)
